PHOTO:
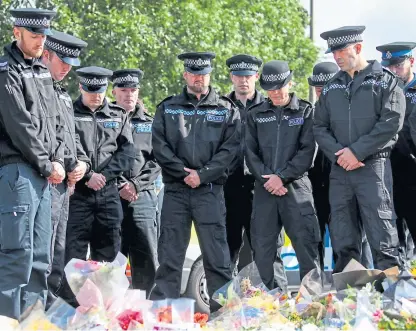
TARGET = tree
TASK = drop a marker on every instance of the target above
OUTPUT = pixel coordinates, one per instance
(149, 34)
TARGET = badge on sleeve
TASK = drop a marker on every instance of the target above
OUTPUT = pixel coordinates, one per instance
(296, 121)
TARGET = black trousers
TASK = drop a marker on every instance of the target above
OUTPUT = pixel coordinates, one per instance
(295, 212)
(59, 216)
(94, 218)
(205, 206)
(371, 187)
(139, 238)
(238, 193)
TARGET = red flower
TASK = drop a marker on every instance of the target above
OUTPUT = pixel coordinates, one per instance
(201, 319)
(127, 316)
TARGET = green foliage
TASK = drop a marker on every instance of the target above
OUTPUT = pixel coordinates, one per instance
(149, 34)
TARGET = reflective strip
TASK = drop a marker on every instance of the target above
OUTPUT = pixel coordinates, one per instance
(83, 119)
(41, 76)
(116, 119)
(266, 119)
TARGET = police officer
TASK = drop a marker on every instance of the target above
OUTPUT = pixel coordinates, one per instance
(279, 152)
(319, 174)
(195, 138)
(61, 53)
(138, 196)
(95, 211)
(30, 157)
(238, 190)
(397, 57)
(357, 119)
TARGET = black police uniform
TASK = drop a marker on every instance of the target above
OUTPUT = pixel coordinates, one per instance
(28, 145)
(95, 216)
(402, 158)
(68, 49)
(279, 141)
(319, 174)
(363, 113)
(238, 190)
(139, 228)
(202, 135)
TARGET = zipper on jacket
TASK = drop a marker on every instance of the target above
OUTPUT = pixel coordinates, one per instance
(67, 122)
(94, 163)
(194, 137)
(349, 120)
(44, 113)
(279, 119)
(349, 90)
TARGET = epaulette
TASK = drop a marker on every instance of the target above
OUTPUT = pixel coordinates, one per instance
(389, 71)
(334, 77)
(165, 99)
(307, 102)
(256, 105)
(148, 116)
(116, 107)
(226, 98)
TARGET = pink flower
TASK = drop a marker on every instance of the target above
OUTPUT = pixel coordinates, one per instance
(377, 315)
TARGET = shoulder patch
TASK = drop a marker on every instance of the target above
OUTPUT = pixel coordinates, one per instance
(4, 66)
(164, 100)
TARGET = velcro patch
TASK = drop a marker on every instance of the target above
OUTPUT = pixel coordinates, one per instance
(142, 128)
(4, 66)
(296, 121)
(215, 118)
(111, 125)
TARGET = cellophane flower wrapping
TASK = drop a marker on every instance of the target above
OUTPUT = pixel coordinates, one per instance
(60, 313)
(130, 313)
(108, 277)
(35, 319)
(247, 283)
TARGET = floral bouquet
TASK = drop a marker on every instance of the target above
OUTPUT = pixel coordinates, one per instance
(246, 284)
(173, 314)
(107, 277)
(34, 319)
(131, 311)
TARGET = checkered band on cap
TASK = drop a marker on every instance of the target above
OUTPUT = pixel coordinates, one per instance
(61, 49)
(126, 79)
(322, 77)
(196, 63)
(32, 22)
(93, 81)
(352, 38)
(244, 66)
(275, 78)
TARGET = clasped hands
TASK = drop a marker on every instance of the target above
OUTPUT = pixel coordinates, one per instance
(347, 160)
